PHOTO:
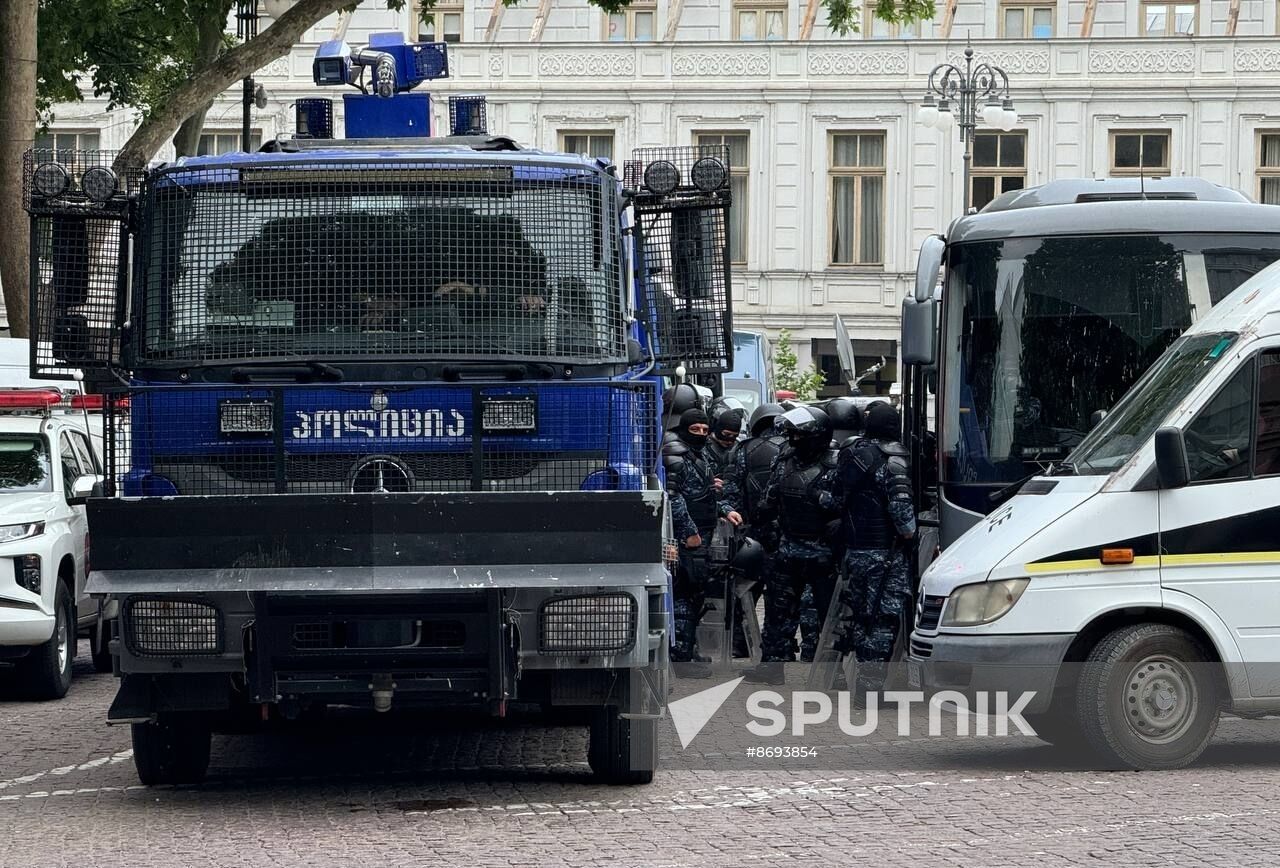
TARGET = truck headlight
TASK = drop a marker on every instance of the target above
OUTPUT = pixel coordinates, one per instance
(588, 625)
(167, 628)
(253, 416)
(983, 602)
(511, 415)
(27, 573)
(15, 532)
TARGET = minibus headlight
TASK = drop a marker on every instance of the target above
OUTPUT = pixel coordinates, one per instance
(982, 603)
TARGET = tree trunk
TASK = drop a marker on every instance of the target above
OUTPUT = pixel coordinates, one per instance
(243, 60)
(17, 133)
(211, 24)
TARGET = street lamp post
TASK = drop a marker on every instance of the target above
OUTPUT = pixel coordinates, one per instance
(246, 29)
(958, 93)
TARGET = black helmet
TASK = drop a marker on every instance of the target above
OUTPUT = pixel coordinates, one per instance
(723, 403)
(727, 419)
(846, 418)
(749, 559)
(675, 401)
(763, 417)
(883, 422)
(808, 429)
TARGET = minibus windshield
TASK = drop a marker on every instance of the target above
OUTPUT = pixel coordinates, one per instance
(1137, 415)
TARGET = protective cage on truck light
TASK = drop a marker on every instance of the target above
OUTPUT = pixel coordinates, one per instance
(587, 625)
(169, 628)
(371, 438)
(682, 204)
(80, 210)
(445, 256)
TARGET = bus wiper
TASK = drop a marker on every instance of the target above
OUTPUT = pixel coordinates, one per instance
(1062, 468)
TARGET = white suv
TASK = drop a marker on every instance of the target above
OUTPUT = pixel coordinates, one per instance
(49, 463)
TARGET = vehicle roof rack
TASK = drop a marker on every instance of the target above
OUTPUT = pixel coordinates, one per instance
(474, 143)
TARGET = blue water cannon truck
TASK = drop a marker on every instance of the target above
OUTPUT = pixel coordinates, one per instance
(382, 413)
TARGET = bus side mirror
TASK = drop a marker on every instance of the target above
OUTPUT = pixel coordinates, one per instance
(1171, 458)
(927, 267)
(919, 331)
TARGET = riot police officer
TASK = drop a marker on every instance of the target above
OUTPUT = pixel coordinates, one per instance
(675, 400)
(726, 426)
(695, 508)
(872, 487)
(793, 496)
(846, 419)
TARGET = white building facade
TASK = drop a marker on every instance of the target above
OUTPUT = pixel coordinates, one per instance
(836, 183)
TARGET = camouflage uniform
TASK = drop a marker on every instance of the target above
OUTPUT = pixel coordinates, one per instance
(804, 556)
(872, 488)
(694, 505)
(744, 484)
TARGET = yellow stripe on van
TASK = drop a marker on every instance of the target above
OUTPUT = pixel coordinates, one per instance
(1209, 558)
(1093, 565)
(1088, 565)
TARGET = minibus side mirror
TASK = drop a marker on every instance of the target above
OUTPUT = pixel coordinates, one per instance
(1171, 458)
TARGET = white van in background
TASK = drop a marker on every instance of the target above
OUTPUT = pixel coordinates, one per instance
(50, 458)
(1135, 589)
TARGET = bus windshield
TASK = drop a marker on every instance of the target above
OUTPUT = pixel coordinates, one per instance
(1041, 333)
(1142, 410)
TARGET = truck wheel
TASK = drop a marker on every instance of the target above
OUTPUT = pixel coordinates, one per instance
(622, 750)
(173, 750)
(1147, 698)
(99, 636)
(46, 671)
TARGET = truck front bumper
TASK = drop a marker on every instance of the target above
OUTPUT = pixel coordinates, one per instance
(982, 663)
(23, 627)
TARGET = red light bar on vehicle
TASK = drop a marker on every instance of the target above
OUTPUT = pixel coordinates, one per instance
(29, 399)
(96, 402)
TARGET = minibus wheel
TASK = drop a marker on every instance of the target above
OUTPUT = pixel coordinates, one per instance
(1148, 697)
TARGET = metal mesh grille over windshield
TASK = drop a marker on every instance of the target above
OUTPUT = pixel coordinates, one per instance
(442, 257)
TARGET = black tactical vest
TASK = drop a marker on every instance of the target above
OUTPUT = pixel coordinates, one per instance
(799, 514)
(699, 483)
(867, 499)
(759, 454)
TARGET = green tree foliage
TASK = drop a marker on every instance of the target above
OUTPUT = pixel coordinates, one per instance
(787, 374)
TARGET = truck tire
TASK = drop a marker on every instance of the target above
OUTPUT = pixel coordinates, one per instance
(173, 750)
(1147, 698)
(99, 637)
(46, 672)
(622, 750)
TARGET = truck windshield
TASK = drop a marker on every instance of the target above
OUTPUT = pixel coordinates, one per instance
(370, 262)
(24, 465)
(1149, 403)
(1043, 332)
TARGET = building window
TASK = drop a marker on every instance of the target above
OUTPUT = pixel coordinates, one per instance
(1026, 20)
(225, 142)
(1140, 153)
(442, 22)
(1169, 19)
(58, 141)
(857, 198)
(878, 28)
(755, 20)
(1269, 168)
(739, 171)
(635, 24)
(597, 144)
(999, 165)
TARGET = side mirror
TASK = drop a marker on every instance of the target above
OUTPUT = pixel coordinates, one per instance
(927, 267)
(1171, 458)
(919, 331)
(1096, 417)
(83, 488)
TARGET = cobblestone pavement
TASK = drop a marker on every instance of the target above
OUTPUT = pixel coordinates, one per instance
(355, 791)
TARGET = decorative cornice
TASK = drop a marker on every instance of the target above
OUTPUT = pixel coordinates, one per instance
(1257, 59)
(1024, 62)
(617, 65)
(1127, 62)
(855, 62)
(720, 63)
